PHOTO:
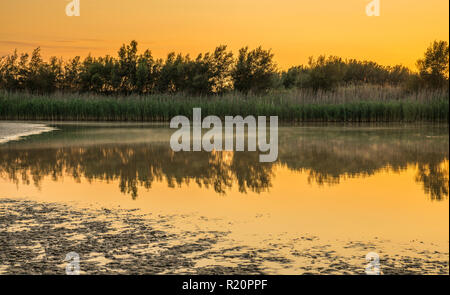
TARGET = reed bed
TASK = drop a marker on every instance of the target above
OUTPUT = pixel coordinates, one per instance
(347, 104)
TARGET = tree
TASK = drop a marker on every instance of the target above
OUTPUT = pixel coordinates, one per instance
(326, 73)
(146, 73)
(127, 66)
(220, 66)
(72, 71)
(208, 73)
(172, 76)
(41, 77)
(10, 72)
(433, 68)
(295, 77)
(254, 70)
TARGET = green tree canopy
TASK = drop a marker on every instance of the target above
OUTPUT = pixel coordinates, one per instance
(433, 67)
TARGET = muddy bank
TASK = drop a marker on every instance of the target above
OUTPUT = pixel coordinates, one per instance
(14, 130)
(35, 238)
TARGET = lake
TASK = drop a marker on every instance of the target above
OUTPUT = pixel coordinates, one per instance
(336, 193)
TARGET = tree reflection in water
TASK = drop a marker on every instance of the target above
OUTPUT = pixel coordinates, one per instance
(327, 155)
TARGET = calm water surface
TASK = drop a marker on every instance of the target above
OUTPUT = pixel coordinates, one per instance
(338, 183)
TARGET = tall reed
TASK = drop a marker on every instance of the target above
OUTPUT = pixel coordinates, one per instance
(349, 104)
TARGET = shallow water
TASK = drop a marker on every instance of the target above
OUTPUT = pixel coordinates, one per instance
(335, 184)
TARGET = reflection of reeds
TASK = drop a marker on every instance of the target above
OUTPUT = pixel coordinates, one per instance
(346, 104)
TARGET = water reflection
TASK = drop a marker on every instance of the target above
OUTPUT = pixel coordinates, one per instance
(434, 178)
(136, 159)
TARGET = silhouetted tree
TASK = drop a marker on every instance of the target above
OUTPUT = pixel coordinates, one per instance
(209, 73)
(433, 68)
(71, 80)
(326, 73)
(295, 77)
(254, 70)
(220, 64)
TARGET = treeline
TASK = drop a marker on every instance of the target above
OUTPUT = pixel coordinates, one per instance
(252, 71)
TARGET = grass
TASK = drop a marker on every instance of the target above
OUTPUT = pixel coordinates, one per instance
(350, 104)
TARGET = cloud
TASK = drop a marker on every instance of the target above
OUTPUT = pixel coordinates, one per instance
(54, 44)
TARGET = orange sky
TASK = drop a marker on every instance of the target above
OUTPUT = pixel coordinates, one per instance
(294, 29)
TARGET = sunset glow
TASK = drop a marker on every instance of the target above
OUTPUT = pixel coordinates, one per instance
(294, 30)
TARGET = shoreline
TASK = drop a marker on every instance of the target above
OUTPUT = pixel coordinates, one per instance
(105, 123)
(13, 131)
(36, 236)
